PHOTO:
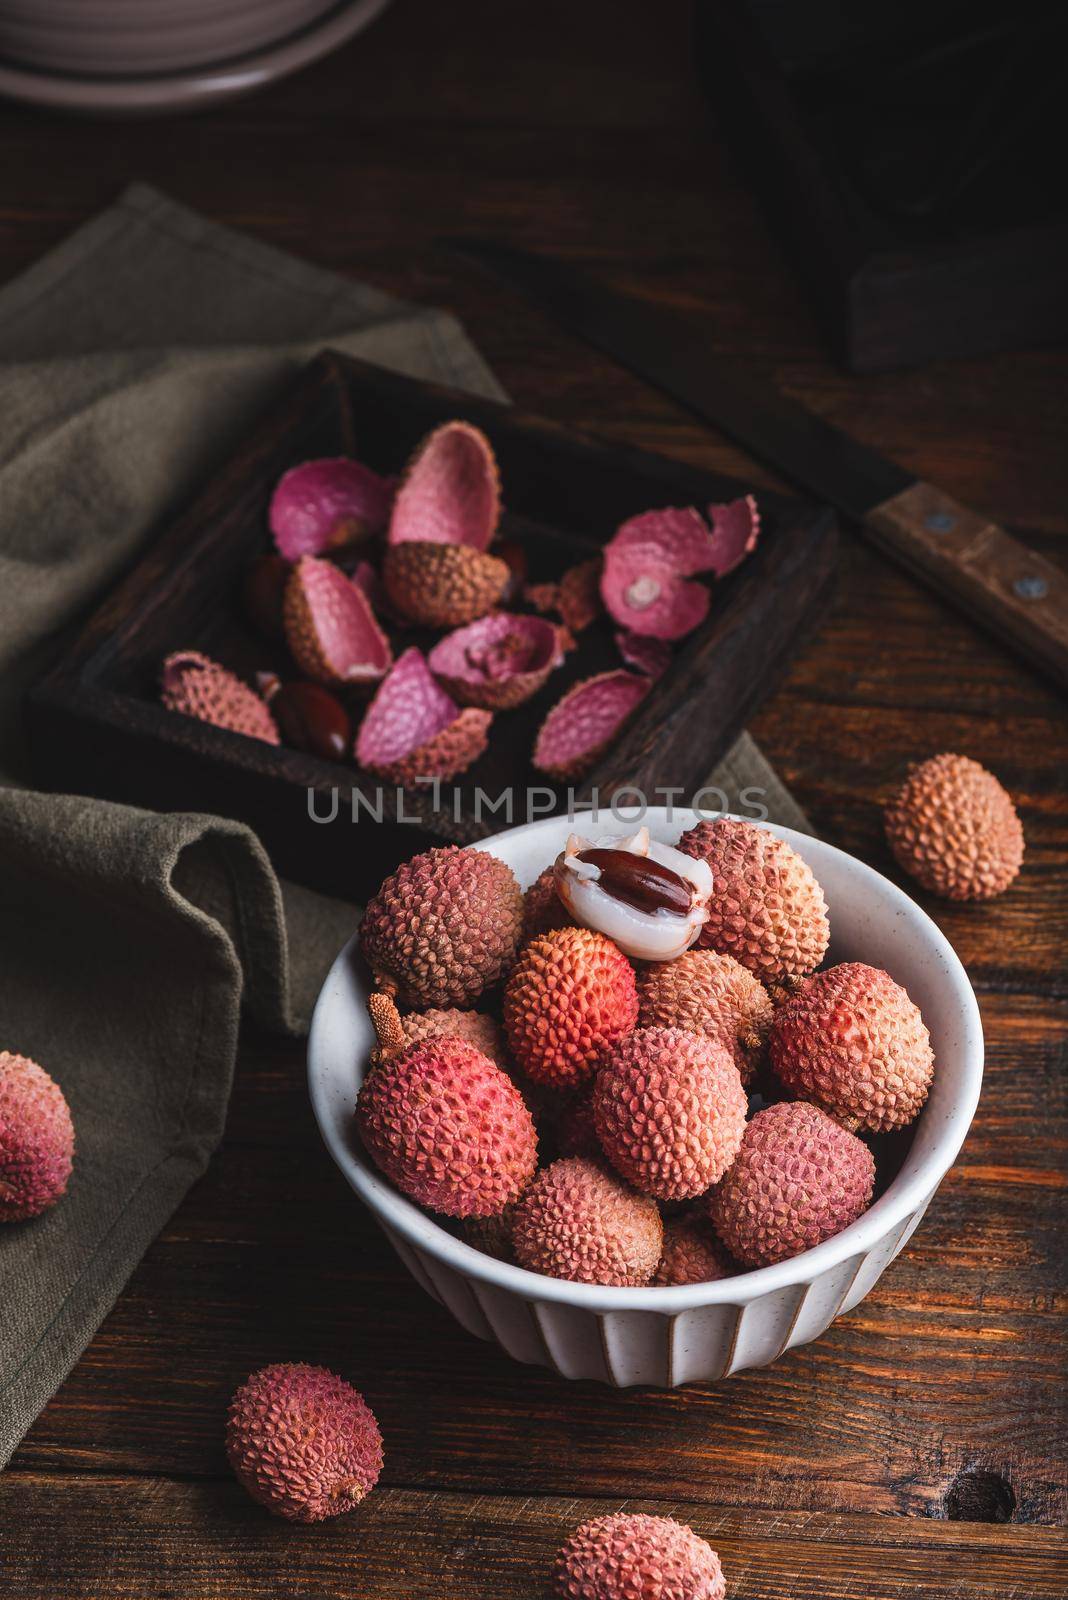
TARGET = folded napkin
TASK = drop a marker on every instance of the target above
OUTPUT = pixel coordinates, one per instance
(132, 358)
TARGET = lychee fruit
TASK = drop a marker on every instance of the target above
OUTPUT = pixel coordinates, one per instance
(706, 992)
(194, 685)
(448, 1127)
(443, 927)
(630, 1556)
(669, 1109)
(395, 1032)
(331, 630)
(303, 1442)
(498, 661)
(570, 994)
(955, 830)
(36, 1139)
(798, 1179)
(582, 725)
(492, 1235)
(852, 1041)
(543, 910)
(768, 910)
(327, 504)
(579, 1222)
(691, 1254)
(442, 585)
(413, 733)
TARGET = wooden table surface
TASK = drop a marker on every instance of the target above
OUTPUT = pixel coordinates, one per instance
(917, 1448)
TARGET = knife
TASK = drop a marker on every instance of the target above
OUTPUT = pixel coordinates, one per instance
(968, 559)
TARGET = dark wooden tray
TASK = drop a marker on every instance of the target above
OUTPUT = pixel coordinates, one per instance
(96, 725)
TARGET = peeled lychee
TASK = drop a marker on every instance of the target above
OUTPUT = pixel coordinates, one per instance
(443, 927)
(630, 1556)
(198, 687)
(448, 1127)
(767, 911)
(395, 1032)
(413, 733)
(798, 1179)
(713, 994)
(303, 1442)
(579, 1222)
(582, 725)
(570, 994)
(327, 504)
(955, 829)
(36, 1139)
(691, 1254)
(669, 1109)
(853, 1042)
(331, 630)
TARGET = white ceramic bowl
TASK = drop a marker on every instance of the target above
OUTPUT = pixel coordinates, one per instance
(700, 1332)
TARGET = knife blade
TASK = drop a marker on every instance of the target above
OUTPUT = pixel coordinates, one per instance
(968, 559)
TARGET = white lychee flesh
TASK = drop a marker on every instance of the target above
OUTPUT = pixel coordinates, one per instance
(658, 935)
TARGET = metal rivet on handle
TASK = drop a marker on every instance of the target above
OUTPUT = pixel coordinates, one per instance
(1031, 587)
(940, 522)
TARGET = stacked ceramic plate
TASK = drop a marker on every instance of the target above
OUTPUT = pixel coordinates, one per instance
(145, 55)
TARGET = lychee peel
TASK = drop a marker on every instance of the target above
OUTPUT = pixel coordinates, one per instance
(768, 911)
(442, 585)
(650, 657)
(574, 1128)
(196, 686)
(709, 993)
(735, 531)
(852, 1041)
(630, 1556)
(669, 1109)
(448, 1127)
(36, 1139)
(443, 928)
(585, 723)
(570, 995)
(412, 732)
(578, 597)
(303, 1442)
(326, 504)
(798, 1179)
(578, 1221)
(691, 1254)
(396, 1032)
(647, 567)
(498, 661)
(955, 830)
(331, 630)
(543, 910)
(450, 491)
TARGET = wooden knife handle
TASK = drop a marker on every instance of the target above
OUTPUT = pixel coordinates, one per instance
(1018, 594)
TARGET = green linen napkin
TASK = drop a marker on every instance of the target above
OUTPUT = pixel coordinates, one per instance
(132, 358)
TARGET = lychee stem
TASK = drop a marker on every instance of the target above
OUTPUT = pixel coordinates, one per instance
(387, 1025)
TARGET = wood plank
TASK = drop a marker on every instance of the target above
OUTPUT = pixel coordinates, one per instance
(207, 1541)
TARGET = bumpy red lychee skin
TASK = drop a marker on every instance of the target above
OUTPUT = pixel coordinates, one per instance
(36, 1139)
(691, 1254)
(196, 686)
(799, 1178)
(669, 1109)
(955, 830)
(443, 927)
(448, 1127)
(578, 1221)
(767, 910)
(706, 992)
(853, 1042)
(303, 1442)
(574, 1128)
(543, 910)
(442, 585)
(570, 995)
(630, 1556)
(492, 1235)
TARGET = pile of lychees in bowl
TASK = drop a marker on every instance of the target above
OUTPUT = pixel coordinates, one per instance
(646, 1070)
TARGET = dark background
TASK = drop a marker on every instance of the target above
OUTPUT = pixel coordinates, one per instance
(881, 1461)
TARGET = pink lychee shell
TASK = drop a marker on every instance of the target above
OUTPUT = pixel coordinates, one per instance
(196, 686)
